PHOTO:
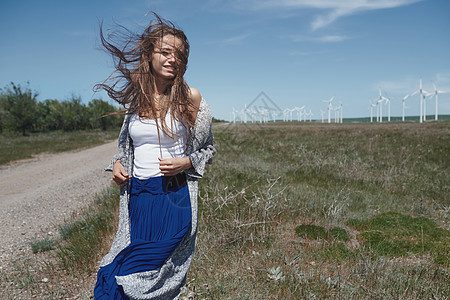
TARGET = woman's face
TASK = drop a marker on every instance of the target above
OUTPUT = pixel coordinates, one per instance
(164, 59)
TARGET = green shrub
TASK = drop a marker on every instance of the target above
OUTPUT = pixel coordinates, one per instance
(394, 234)
(43, 245)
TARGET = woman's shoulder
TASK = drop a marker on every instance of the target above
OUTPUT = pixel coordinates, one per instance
(196, 100)
(195, 97)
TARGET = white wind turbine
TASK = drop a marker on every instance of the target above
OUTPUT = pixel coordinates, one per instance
(379, 101)
(340, 113)
(330, 107)
(299, 111)
(310, 114)
(234, 115)
(435, 93)
(291, 111)
(371, 106)
(426, 95)
(336, 114)
(388, 101)
(286, 114)
(404, 106)
(321, 114)
(379, 110)
(421, 93)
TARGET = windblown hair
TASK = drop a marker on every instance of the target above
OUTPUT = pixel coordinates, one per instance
(132, 84)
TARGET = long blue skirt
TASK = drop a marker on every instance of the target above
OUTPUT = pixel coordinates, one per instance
(159, 219)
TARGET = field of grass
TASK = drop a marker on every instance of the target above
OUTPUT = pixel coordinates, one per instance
(297, 211)
(323, 211)
(15, 147)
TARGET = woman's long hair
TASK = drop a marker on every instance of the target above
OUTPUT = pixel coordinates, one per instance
(132, 84)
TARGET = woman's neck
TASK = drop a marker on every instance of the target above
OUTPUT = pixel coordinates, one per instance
(161, 87)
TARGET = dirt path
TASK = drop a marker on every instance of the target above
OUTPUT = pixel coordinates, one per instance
(38, 194)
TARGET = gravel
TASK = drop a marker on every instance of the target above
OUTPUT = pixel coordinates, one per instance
(40, 193)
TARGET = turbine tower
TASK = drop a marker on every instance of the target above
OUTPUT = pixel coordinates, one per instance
(330, 107)
(435, 93)
(371, 106)
(421, 93)
(404, 106)
(379, 101)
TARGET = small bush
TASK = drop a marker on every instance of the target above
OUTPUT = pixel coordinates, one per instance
(339, 234)
(42, 245)
(311, 232)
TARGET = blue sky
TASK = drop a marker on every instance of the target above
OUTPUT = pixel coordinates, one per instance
(299, 52)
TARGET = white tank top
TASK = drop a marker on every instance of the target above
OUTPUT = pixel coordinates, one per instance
(147, 146)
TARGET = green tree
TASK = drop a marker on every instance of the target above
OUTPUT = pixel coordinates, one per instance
(99, 110)
(75, 114)
(20, 107)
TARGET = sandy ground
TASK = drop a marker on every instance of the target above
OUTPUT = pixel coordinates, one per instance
(40, 193)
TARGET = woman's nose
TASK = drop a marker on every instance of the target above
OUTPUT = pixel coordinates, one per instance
(171, 57)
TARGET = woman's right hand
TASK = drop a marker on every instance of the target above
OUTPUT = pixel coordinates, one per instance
(120, 176)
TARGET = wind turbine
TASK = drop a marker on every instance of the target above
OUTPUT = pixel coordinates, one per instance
(388, 101)
(291, 111)
(286, 114)
(336, 114)
(380, 110)
(244, 113)
(340, 113)
(299, 111)
(330, 107)
(321, 114)
(371, 106)
(310, 114)
(435, 93)
(404, 106)
(380, 100)
(421, 92)
(234, 115)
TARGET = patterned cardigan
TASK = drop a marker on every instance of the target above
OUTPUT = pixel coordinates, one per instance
(166, 281)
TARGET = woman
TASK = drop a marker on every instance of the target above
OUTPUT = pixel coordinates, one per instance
(164, 144)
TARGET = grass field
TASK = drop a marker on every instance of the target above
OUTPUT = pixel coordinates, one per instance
(322, 211)
(301, 211)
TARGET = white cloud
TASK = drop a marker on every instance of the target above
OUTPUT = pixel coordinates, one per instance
(333, 9)
(320, 39)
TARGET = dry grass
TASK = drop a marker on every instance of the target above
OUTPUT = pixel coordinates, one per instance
(267, 180)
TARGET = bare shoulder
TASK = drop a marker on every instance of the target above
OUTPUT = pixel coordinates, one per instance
(196, 98)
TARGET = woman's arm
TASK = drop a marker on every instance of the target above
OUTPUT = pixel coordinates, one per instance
(120, 176)
(202, 142)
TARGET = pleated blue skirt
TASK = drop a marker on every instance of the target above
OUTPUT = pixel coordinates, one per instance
(159, 219)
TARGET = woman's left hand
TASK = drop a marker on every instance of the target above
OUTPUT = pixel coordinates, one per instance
(173, 166)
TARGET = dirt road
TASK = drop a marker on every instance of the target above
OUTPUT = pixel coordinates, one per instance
(38, 194)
